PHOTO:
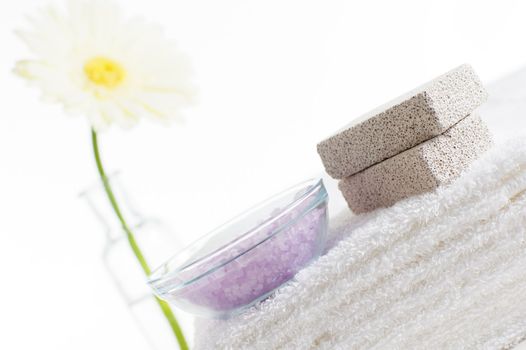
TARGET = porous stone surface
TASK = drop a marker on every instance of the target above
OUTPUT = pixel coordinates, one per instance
(420, 169)
(403, 123)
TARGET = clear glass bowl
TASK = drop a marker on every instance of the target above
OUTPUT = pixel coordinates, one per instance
(246, 259)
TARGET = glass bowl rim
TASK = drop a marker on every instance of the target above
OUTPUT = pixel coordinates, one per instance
(161, 273)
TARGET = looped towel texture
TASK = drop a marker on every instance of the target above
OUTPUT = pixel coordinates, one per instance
(443, 270)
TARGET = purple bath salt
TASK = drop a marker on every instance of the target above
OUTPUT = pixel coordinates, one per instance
(251, 269)
(245, 260)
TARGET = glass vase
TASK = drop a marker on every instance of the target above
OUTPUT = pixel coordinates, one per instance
(157, 242)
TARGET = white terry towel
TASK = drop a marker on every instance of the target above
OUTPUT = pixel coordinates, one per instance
(444, 270)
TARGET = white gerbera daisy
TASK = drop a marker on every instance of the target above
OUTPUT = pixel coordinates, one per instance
(112, 70)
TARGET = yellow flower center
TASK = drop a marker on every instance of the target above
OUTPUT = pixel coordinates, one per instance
(104, 72)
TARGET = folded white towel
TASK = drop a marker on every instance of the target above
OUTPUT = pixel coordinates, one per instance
(444, 270)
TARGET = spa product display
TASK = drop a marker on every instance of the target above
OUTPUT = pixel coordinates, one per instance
(410, 146)
(443, 270)
(246, 259)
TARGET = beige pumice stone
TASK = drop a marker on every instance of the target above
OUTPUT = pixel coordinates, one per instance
(420, 169)
(403, 123)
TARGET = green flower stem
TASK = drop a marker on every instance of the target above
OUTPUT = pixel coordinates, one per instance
(165, 308)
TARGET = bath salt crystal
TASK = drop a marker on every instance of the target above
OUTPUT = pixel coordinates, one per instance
(234, 279)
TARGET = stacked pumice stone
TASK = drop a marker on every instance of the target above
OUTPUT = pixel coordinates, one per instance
(412, 145)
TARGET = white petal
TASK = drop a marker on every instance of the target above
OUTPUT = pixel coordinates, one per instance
(157, 81)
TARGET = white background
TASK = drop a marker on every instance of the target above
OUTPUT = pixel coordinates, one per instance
(275, 77)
